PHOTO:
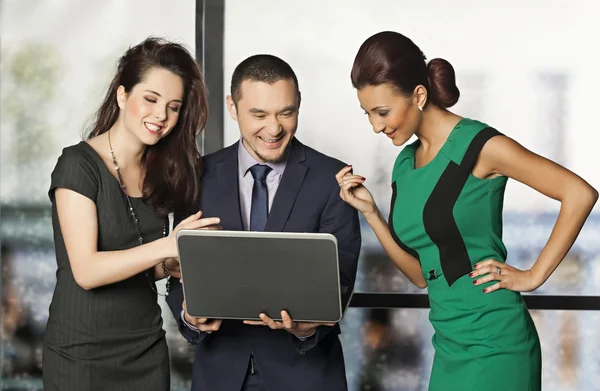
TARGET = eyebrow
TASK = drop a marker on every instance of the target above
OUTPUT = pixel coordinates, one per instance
(378, 107)
(156, 93)
(289, 108)
(255, 110)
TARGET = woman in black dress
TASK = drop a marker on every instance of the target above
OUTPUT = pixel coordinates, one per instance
(111, 196)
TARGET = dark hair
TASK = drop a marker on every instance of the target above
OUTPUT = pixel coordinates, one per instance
(390, 57)
(173, 165)
(261, 67)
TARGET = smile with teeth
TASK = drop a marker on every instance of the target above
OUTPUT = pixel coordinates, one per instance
(152, 127)
(270, 140)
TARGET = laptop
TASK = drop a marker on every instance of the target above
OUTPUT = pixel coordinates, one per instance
(240, 274)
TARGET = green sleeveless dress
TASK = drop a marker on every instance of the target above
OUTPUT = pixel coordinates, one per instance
(449, 220)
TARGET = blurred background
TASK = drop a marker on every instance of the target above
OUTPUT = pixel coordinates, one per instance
(527, 68)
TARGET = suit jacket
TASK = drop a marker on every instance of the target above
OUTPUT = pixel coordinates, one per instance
(307, 200)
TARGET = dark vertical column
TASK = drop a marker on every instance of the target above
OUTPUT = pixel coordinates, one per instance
(210, 28)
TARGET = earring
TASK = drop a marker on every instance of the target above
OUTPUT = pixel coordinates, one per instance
(420, 108)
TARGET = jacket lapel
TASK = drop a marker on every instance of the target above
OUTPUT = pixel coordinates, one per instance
(229, 194)
(288, 189)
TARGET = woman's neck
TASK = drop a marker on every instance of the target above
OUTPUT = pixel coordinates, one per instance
(127, 148)
(436, 126)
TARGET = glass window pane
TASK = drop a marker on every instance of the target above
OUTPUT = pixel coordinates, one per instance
(56, 61)
(391, 350)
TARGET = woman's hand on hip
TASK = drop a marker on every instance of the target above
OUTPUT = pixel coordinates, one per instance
(508, 277)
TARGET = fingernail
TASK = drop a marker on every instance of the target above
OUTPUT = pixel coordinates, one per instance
(476, 266)
(349, 165)
(475, 282)
(363, 178)
(471, 274)
(485, 290)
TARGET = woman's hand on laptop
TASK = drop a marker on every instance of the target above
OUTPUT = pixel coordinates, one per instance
(202, 324)
(192, 222)
(299, 329)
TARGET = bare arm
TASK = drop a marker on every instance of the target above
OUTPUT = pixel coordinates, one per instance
(356, 194)
(504, 156)
(77, 216)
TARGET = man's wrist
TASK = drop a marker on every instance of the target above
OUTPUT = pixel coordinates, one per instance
(187, 324)
(305, 337)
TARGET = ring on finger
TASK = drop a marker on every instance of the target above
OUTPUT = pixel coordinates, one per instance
(498, 270)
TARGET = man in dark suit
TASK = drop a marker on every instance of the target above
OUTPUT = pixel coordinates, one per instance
(270, 181)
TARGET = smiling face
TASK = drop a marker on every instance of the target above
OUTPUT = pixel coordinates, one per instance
(151, 109)
(267, 115)
(390, 113)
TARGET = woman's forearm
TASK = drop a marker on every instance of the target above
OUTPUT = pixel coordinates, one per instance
(574, 211)
(107, 267)
(158, 271)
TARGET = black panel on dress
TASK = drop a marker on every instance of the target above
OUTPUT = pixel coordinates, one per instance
(438, 217)
(402, 245)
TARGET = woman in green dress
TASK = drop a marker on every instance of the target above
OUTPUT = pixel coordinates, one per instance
(445, 226)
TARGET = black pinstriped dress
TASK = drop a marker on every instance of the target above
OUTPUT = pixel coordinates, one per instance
(108, 338)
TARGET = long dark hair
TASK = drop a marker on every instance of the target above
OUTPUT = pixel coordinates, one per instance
(390, 57)
(173, 165)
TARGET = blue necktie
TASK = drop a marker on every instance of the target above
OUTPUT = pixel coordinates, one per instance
(259, 211)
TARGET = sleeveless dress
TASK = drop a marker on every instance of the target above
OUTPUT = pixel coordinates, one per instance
(109, 338)
(449, 220)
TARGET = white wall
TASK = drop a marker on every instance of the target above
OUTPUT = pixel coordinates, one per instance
(505, 43)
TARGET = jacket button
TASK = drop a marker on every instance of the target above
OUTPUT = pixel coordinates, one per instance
(432, 275)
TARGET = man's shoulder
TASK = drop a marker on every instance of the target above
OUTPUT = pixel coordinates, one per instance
(218, 156)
